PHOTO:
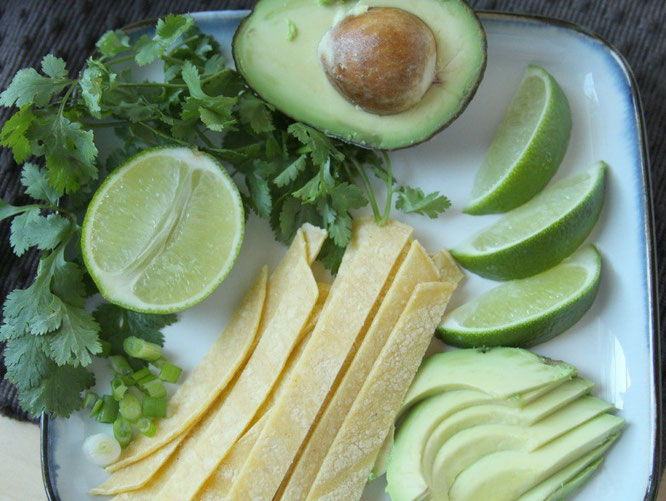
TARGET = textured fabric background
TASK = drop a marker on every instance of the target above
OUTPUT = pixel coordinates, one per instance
(29, 29)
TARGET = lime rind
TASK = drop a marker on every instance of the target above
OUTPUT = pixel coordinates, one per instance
(533, 328)
(112, 290)
(503, 184)
(544, 247)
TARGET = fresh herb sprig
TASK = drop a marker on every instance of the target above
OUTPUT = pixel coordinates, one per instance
(289, 173)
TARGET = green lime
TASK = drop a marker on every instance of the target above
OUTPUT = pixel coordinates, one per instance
(527, 311)
(163, 230)
(528, 146)
(540, 233)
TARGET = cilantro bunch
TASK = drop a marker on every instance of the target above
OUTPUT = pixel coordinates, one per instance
(288, 173)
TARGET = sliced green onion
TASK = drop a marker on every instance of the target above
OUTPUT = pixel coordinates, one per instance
(140, 348)
(130, 407)
(90, 400)
(106, 349)
(109, 411)
(120, 365)
(169, 372)
(101, 449)
(159, 362)
(96, 408)
(154, 407)
(118, 388)
(146, 426)
(154, 388)
(139, 375)
(122, 430)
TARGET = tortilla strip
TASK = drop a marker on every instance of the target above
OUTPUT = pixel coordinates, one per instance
(416, 268)
(198, 457)
(157, 471)
(448, 268)
(220, 483)
(218, 486)
(350, 459)
(198, 391)
(347, 314)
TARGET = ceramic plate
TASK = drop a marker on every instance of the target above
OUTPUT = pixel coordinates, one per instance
(615, 344)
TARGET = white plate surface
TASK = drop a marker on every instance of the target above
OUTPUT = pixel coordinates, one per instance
(613, 343)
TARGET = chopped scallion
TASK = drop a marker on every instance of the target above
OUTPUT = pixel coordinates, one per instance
(140, 348)
(169, 372)
(130, 407)
(122, 430)
(118, 388)
(146, 426)
(90, 400)
(109, 410)
(120, 365)
(154, 407)
(154, 388)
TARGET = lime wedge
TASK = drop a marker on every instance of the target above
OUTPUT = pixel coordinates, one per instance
(163, 230)
(540, 233)
(528, 311)
(528, 146)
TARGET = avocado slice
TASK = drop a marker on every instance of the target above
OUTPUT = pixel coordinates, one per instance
(505, 475)
(409, 464)
(379, 468)
(511, 374)
(563, 483)
(463, 448)
(496, 413)
(288, 72)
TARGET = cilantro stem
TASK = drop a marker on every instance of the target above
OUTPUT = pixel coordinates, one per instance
(203, 137)
(163, 135)
(120, 60)
(61, 110)
(369, 190)
(389, 190)
(100, 125)
(151, 84)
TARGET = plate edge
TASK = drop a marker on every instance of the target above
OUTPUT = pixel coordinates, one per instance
(651, 259)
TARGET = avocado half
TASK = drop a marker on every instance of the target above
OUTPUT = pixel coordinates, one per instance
(285, 70)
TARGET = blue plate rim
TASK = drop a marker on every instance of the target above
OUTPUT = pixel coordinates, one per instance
(648, 229)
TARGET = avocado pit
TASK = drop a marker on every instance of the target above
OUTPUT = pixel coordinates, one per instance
(383, 60)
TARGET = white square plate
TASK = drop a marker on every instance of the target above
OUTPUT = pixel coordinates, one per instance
(616, 342)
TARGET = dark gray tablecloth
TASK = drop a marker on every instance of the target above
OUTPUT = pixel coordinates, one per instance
(29, 29)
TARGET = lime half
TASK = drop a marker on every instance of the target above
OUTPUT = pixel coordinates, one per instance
(528, 146)
(540, 233)
(528, 311)
(163, 230)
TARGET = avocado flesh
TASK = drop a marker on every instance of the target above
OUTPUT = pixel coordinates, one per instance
(563, 483)
(464, 448)
(502, 414)
(505, 475)
(405, 474)
(289, 75)
(511, 374)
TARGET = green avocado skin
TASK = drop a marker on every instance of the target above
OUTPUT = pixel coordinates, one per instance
(378, 139)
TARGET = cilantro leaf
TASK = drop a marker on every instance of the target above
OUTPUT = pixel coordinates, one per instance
(14, 133)
(28, 86)
(91, 87)
(321, 147)
(260, 194)
(290, 172)
(214, 112)
(113, 43)
(7, 210)
(35, 310)
(168, 30)
(413, 200)
(59, 393)
(32, 229)
(37, 185)
(256, 113)
(76, 340)
(70, 152)
(26, 361)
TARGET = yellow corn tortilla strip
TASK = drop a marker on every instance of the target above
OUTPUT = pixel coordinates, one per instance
(448, 268)
(345, 469)
(218, 486)
(199, 456)
(206, 382)
(416, 268)
(383, 455)
(352, 301)
(155, 470)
